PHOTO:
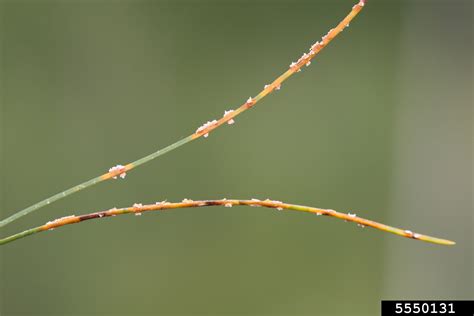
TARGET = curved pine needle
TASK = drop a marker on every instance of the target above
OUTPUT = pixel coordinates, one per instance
(205, 129)
(138, 209)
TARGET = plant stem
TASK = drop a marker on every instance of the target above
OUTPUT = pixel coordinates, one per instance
(137, 209)
(205, 129)
(91, 182)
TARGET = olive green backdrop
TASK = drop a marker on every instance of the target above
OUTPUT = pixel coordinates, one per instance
(380, 125)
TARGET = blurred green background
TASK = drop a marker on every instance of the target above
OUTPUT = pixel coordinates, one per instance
(380, 125)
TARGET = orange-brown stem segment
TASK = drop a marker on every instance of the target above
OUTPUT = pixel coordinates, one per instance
(295, 67)
(138, 209)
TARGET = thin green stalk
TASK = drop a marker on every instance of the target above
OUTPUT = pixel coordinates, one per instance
(204, 130)
(94, 181)
(138, 209)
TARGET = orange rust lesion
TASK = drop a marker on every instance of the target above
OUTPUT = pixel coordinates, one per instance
(112, 212)
(228, 117)
(250, 102)
(61, 222)
(207, 128)
(116, 172)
